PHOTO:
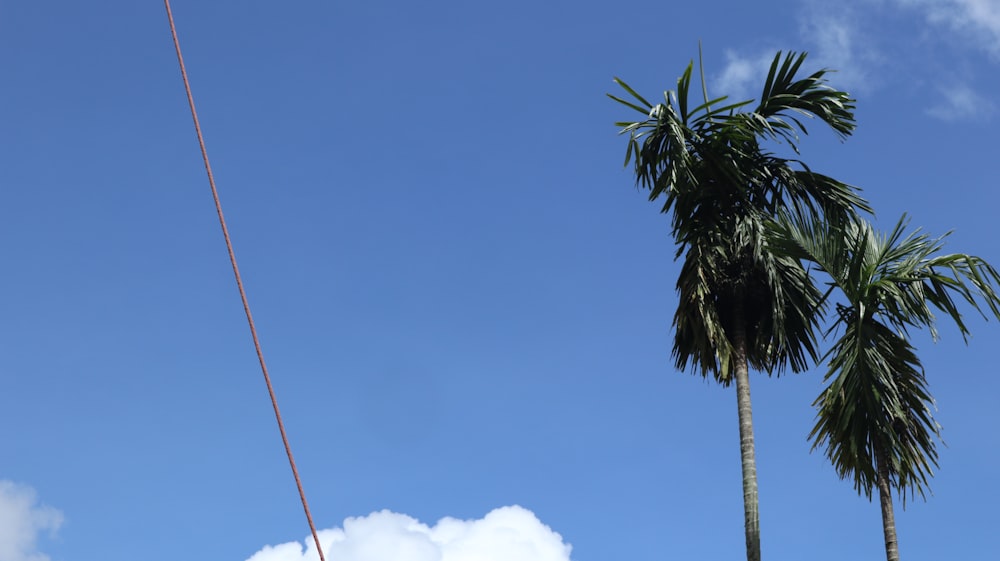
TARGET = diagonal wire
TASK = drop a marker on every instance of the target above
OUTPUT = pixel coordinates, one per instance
(239, 282)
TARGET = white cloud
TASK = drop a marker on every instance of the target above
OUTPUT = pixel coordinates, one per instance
(961, 103)
(22, 519)
(978, 20)
(506, 534)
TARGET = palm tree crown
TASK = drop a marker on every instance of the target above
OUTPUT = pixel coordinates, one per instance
(878, 403)
(720, 185)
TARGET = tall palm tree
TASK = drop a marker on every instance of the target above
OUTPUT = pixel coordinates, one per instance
(874, 418)
(740, 306)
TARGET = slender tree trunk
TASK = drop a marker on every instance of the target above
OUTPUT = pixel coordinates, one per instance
(751, 517)
(885, 498)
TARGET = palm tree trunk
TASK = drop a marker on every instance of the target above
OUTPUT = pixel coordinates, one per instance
(885, 498)
(751, 517)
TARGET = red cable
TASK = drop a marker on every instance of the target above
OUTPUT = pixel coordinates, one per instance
(239, 283)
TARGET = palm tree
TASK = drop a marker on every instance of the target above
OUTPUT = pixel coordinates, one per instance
(740, 306)
(874, 418)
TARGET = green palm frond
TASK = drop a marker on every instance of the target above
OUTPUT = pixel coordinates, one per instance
(785, 97)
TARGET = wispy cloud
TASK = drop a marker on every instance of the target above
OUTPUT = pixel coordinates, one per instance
(505, 534)
(976, 20)
(22, 520)
(961, 103)
(837, 41)
(742, 76)
(832, 37)
(846, 37)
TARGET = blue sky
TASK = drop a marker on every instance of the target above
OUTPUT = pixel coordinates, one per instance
(464, 301)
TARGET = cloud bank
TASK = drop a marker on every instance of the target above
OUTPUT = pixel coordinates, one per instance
(506, 534)
(22, 519)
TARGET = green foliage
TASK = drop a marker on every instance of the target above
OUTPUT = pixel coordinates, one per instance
(877, 399)
(720, 186)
